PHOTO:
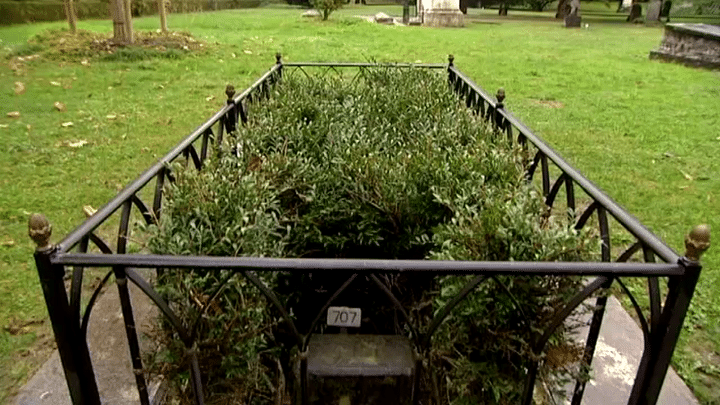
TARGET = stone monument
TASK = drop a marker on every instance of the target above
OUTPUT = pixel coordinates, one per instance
(635, 13)
(572, 20)
(653, 11)
(441, 13)
(690, 44)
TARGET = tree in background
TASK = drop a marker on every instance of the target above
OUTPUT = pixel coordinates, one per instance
(326, 6)
(563, 9)
(69, 7)
(162, 10)
(538, 5)
(121, 13)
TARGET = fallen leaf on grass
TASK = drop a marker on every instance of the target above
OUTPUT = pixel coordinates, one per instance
(248, 52)
(28, 58)
(17, 327)
(55, 84)
(19, 88)
(209, 98)
(85, 62)
(7, 243)
(687, 176)
(72, 144)
(14, 114)
(60, 106)
(66, 124)
(111, 116)
(4, 126)
(89, 210)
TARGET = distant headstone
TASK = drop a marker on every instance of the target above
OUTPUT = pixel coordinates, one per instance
(665, 10)
(572, 21)
(653, 11)
(635, 13)
(311, 13)
(382, 18)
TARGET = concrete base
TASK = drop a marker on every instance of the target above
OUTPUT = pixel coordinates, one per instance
(444, 18)
(110, 355)
(616, 360)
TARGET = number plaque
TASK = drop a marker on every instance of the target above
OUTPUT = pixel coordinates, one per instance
(344, 317)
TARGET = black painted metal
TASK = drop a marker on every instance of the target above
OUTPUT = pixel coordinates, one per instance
(175, 263)
(652, 369)
(74, 354)
(660, 332)
(557, 320)
(324, 308)
(76, 286)
(91, 304)
(126, 306)
(445, 311)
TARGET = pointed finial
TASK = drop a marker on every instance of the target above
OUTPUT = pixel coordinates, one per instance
(451, 59)
(40, 230)
(697, 242)
(500, 95)
(230, 91)
(278, 58)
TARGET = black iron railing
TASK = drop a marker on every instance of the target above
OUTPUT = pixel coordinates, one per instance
(660, 329)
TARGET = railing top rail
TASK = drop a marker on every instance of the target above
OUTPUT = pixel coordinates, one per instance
(631, 269)
(366, 64)
(113, 205)
(628, 221)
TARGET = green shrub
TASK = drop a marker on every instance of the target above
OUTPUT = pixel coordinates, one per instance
(327, 6)
(389, 166)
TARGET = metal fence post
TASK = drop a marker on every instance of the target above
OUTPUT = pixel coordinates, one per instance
(498, 118)
(72, 347)
(231, 116)
(278, 61)
(652, 369)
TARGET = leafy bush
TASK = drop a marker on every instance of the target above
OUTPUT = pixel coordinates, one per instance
(389, 166)
(327, 6)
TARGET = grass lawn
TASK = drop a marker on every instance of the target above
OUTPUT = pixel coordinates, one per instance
(646, 132)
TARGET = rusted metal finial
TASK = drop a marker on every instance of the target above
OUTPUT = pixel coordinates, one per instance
(40, 230)
(451, 59)
(278, 58)
(697, 242)
(230, 91)
(500, 97)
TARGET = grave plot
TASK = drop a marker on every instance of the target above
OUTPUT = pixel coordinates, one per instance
(367, 233)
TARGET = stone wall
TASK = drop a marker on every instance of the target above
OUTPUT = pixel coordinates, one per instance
(697, 45)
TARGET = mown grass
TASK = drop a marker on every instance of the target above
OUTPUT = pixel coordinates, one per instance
(640, 129)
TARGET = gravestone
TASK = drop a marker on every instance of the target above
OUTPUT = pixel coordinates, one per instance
(441, 13)
(653, 11)
(665, 11)
(635, 13)
(573, 20)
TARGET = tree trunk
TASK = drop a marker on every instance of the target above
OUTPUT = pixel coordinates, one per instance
(117, 12)
(128, 22)
(163, 16)
(69, 7)
(562, 9)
